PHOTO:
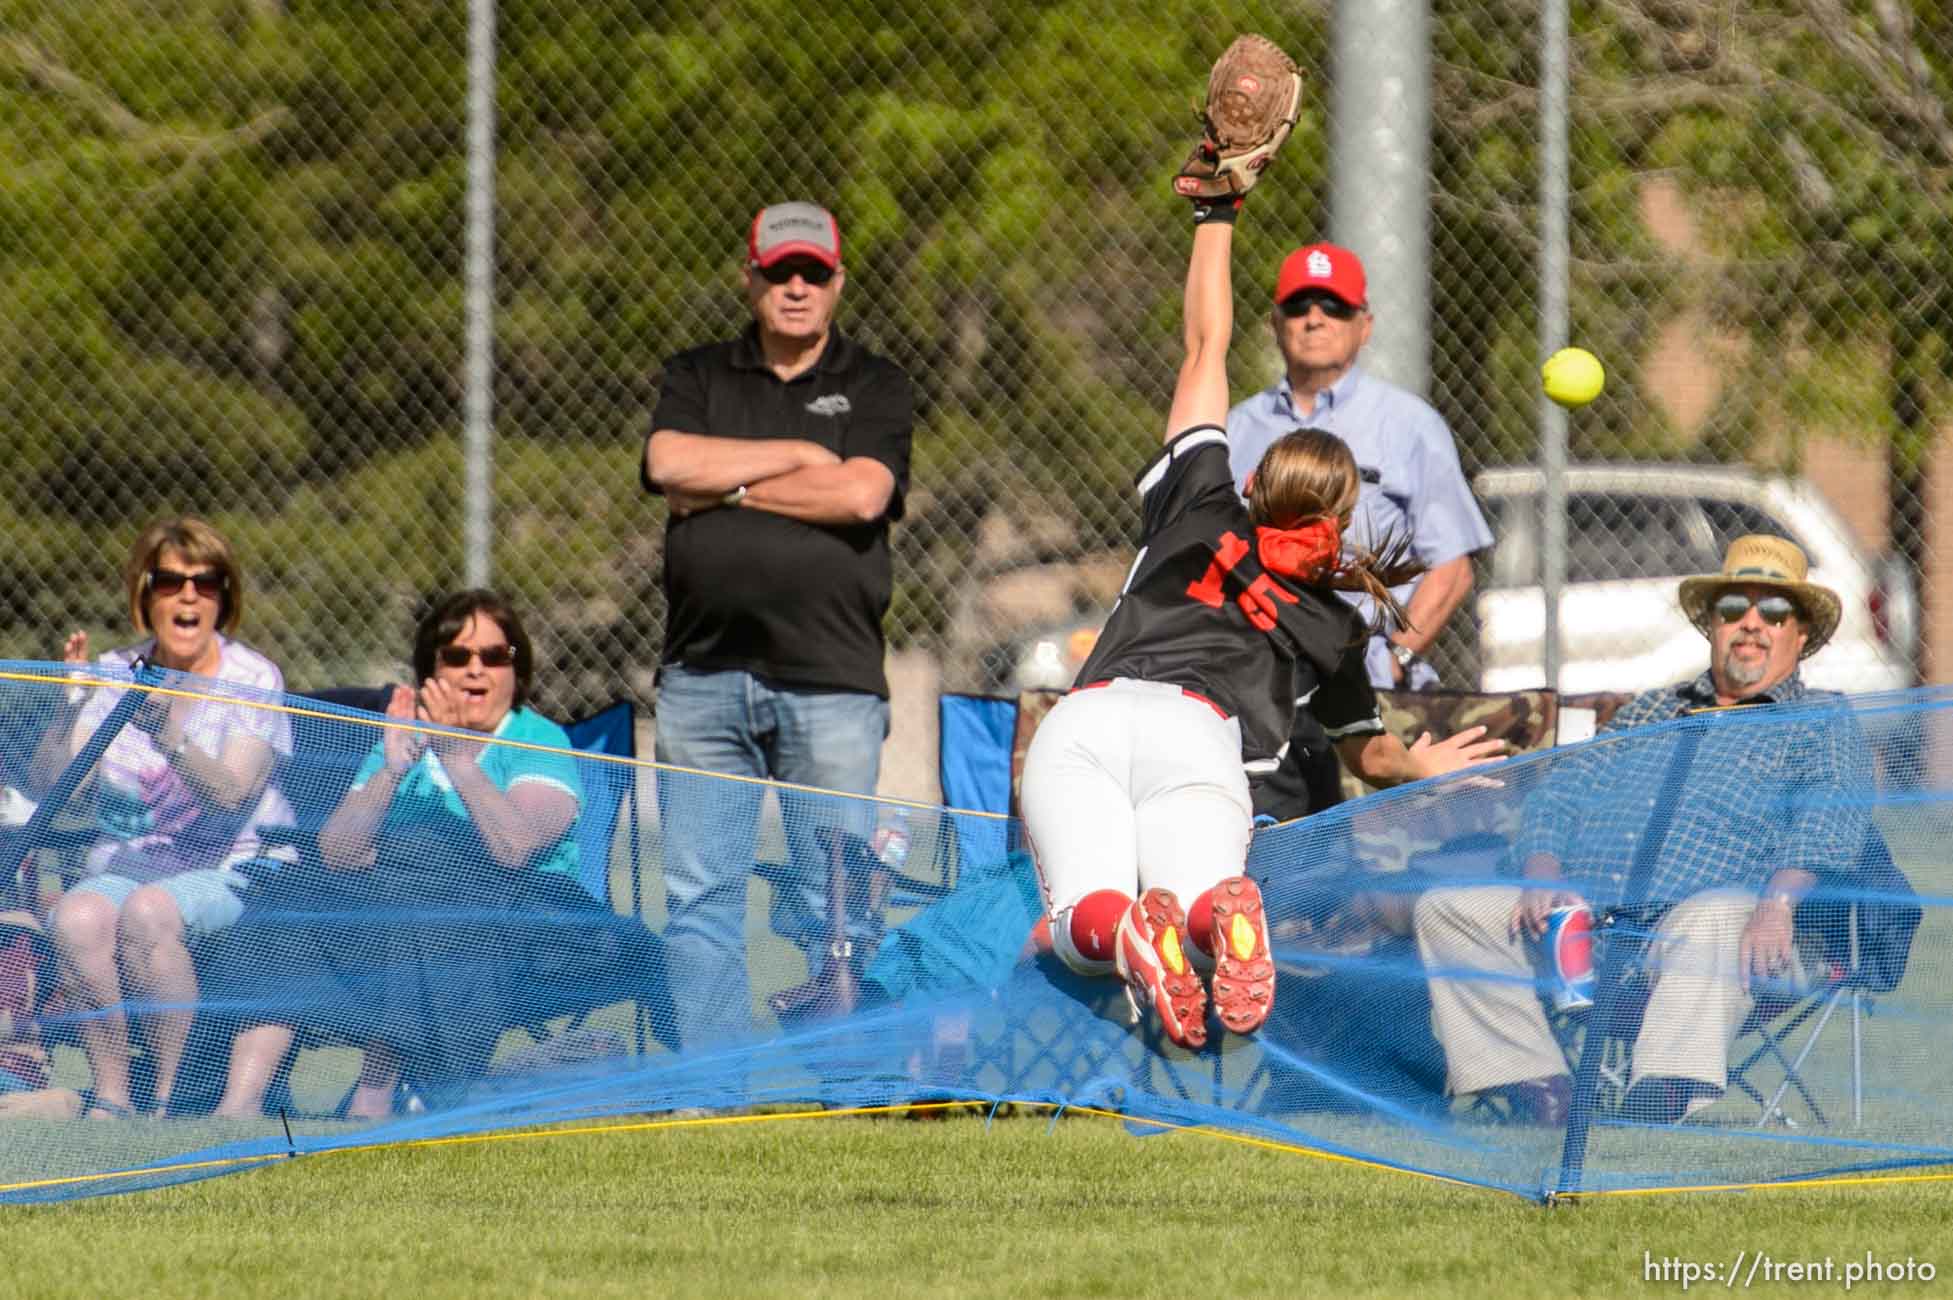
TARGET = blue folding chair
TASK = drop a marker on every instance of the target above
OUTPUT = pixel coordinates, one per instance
(608, 789)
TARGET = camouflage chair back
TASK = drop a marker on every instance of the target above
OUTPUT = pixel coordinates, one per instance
(1526, 720)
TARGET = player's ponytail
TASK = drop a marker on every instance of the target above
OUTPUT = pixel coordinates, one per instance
(1310, 474)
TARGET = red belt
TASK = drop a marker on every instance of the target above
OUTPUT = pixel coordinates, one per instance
(1192, 695)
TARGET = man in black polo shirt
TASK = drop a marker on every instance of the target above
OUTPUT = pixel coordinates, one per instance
(784, 457)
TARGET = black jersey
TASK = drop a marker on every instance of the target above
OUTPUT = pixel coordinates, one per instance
(1200, 612)
(796, 603)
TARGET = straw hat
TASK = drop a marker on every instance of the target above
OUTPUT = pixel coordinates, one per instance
(1763, 561)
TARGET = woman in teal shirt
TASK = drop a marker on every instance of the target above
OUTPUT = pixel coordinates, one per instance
(441, 837)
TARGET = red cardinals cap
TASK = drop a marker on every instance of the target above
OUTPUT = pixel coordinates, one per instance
(1323, 266)
(789, 229)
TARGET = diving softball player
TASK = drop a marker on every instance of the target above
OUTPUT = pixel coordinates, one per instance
(1135, 788)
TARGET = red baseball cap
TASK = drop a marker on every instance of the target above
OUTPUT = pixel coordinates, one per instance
(794, 229)
(1323, 266)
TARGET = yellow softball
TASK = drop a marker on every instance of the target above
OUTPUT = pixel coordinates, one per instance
(1572, 377)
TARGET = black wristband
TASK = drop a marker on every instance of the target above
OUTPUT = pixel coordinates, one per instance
(1226, 208)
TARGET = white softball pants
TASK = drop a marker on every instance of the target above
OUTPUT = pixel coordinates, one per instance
(1131, 786)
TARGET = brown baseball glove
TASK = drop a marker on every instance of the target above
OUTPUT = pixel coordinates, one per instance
(1254, 96)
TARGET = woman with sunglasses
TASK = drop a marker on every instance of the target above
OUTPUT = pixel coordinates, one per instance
(179, 795)
(438, 831)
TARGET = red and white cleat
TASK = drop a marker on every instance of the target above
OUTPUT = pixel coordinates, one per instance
(1244, 965)
(1151, 955)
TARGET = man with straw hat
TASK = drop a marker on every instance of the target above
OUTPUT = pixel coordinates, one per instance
(1761, 617)
(1716, 836)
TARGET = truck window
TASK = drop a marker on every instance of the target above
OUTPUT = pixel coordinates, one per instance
(1729, 520)
(1625, 536)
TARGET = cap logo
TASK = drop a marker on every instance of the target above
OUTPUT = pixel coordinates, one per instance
(808, 224)
(1319, 266)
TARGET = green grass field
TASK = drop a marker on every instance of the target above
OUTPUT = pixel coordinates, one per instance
(956, 1207)
(895, 1207)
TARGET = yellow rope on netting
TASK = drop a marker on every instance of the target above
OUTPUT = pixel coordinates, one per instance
(80, 1180)
(929, 1107)
(707, 1121)
(418, 728)
(1780, 1184)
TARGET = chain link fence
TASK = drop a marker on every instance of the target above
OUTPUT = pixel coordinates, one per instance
(232, 258)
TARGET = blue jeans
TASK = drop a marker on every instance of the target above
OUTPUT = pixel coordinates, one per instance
(737, 724)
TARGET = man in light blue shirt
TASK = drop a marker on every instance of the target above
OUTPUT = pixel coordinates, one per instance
(1412, 482)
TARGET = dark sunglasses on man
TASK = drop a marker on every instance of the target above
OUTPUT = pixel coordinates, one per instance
(168, 582)
(491, 656)
(1732, 605)
(814, 273)
(1297, 305)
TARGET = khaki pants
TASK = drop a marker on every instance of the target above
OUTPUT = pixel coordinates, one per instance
(1486, 1013)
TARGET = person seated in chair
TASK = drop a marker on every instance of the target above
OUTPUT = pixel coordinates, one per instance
(180, 796)
(454, 847)
(1758, 813)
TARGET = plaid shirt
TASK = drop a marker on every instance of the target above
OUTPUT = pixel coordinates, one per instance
(1767, 789)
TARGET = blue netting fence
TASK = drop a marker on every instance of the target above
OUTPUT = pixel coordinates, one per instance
(698, 941)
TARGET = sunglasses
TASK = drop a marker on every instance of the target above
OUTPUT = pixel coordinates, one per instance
(491, 656)
(1297, 305)
(814, 273)
(1732, 605)
(168, 582)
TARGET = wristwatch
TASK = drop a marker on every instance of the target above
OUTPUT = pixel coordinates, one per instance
(1403, 654)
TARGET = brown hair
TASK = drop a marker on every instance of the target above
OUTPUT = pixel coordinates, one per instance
(198, 542)
(449, 617)
(1311, 474)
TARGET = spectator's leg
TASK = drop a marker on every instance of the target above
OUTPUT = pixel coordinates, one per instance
(830, 740)
(379, 1080)
(84, 927)
(157, 966)
(157, 923)
(256, 1054)
(708, 825)
(1698, 1000)
(1485, 1009)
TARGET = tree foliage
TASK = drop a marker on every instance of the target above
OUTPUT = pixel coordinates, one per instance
(231, 260)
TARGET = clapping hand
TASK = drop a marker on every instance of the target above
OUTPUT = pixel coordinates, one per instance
(74, 653)
(401, 747)
(442, 705)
